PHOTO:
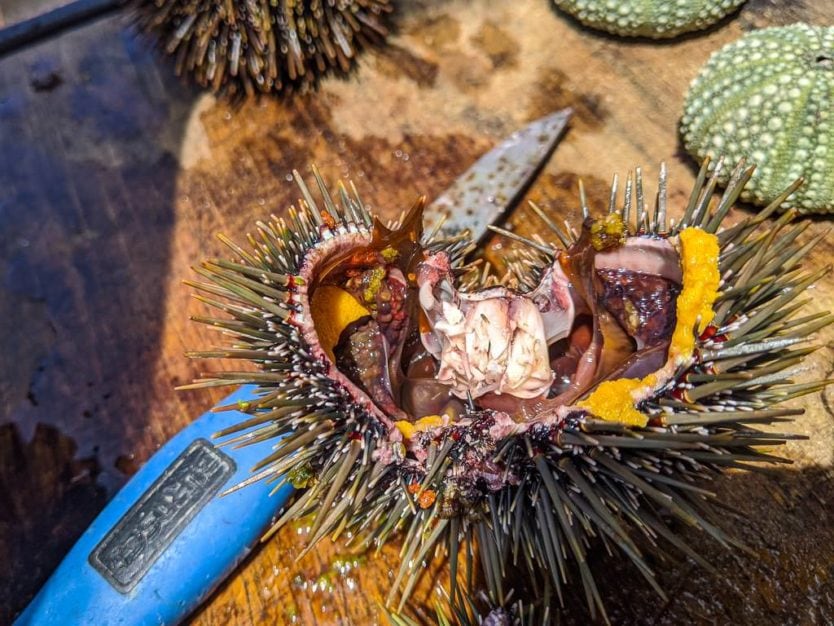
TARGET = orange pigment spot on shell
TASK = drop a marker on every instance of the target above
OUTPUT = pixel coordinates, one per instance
(427, 498)
(327, 219)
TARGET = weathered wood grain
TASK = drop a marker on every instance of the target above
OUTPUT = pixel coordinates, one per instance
(115, 178)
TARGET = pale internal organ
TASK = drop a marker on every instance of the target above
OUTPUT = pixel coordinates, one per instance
(495, 340)
(559, 340)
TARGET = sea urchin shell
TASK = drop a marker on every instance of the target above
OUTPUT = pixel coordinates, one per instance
(667, 346)
(240, 47)
(657, 19)
(769, 97)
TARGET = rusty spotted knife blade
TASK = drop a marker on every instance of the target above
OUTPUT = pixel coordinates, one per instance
(489, 188)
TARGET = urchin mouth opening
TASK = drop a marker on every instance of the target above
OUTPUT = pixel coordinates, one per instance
(824, 60)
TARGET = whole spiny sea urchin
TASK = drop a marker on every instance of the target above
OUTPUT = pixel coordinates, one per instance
(657, 19)
(582, 401)
(769, 97)
(238, 47)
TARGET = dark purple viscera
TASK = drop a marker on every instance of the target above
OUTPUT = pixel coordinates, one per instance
(624, 319)
(643, 304)
(363, 355)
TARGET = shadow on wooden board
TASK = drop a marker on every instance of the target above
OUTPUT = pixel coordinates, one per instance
(89, 131)
(784, 517)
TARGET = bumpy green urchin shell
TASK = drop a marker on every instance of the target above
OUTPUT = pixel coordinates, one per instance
(658, 19)
(769, 97)
(249, 46)
(563, 486)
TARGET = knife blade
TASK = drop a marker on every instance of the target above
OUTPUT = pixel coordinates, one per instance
(494, 184)
(167, 540)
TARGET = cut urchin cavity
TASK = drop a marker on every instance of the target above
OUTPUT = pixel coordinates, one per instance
(247, 47)
(577, 400)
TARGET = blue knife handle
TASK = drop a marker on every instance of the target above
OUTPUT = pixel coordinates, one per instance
(168, 537)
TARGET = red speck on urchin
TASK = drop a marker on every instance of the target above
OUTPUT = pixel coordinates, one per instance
(709, 333)
(363, 258)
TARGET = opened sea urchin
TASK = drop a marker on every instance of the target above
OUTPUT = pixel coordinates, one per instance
(258, 46)
(578, 402)
(657, 19)
(769, 98)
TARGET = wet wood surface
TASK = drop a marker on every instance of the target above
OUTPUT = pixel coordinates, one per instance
(115, 176)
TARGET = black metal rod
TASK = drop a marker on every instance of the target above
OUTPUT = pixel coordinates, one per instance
(30, 31)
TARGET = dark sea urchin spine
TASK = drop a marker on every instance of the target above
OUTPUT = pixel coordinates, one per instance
(237, 47)
(565, 486)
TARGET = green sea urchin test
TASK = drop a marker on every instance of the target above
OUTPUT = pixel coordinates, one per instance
(658, 19)
(240, 47)
(580, 400)
(769, 98)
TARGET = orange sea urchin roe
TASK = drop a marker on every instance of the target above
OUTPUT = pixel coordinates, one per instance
(333, 309)
(423, 424)
(615, 400)
(699, 262)
(427, 498)
(608, 232)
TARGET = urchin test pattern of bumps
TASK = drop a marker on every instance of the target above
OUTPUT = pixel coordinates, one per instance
(657, 19)
(768, 97)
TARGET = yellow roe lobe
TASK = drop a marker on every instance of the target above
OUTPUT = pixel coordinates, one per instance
(374, 284)
(333, 309)
(423, 424)
(389, 254)
(615, 400)
(608, 232)
(699, 262)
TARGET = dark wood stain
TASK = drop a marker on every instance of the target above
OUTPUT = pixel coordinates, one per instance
(398, 61)
(439, 31)
(554, 90)
(500, 47)
(48, 497)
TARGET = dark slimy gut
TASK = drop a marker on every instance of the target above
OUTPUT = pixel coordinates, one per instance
(643, 304)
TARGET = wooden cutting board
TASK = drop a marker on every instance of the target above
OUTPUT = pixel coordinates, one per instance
(115, 176)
